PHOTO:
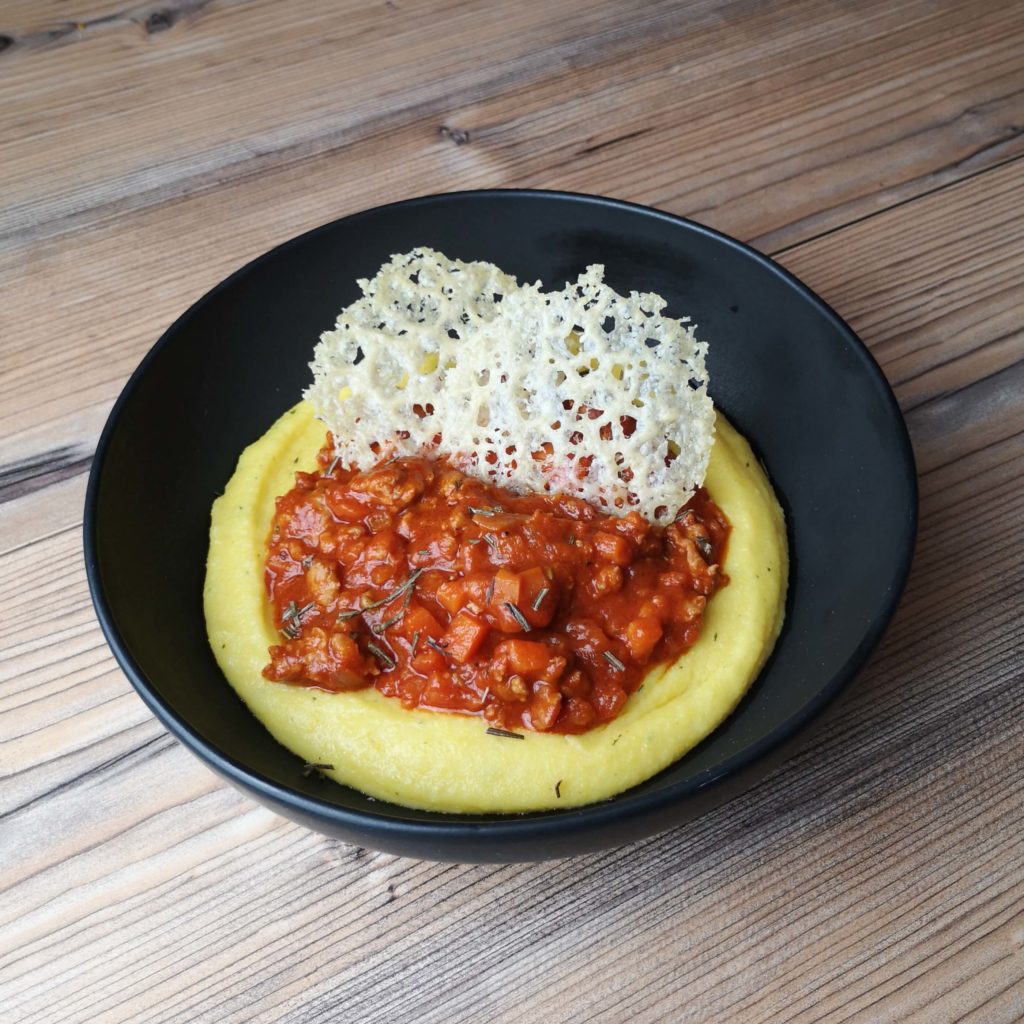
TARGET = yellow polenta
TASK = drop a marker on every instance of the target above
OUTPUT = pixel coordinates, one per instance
(447, 762)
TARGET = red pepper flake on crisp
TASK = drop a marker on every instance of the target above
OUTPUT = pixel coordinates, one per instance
(534, 612)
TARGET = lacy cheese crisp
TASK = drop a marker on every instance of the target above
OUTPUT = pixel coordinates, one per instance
(580, 390)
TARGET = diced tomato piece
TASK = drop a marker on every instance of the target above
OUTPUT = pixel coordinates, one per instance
(464, 637)
(613, 547)
(642, 636)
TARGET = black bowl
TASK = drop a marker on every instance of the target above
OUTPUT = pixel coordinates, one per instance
(784, 368)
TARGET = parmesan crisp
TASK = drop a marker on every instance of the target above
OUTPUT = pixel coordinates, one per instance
(579, 390)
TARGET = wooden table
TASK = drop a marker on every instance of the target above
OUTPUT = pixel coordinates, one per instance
(876, 149)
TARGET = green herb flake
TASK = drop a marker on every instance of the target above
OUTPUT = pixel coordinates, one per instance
(431, 642)
(518, 616)
(381, 655)
(505, 734)
(397, 592)
(614, 662)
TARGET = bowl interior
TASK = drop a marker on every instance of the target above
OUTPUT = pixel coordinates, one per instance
(787, 372)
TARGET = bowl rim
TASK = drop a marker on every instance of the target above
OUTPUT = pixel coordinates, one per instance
(537, 825)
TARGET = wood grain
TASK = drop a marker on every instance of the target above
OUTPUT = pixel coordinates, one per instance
(146, 150)
(946, 86)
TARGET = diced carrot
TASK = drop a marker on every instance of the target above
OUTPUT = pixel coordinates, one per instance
(507, 588)
(428, 660)
(538, 596)
(531, 583)
(525, 656)
(464, 637)
(452, 595)
(418, 619)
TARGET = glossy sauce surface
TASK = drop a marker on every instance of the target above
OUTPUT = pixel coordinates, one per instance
(447, 593)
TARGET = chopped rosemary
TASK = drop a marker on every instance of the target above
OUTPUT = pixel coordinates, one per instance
(383, 655)
(351, 614)
(703, 546)
(491, 541)
(333, 465)
(505, 734)
(518, 616)
(493, 510)
(309, 768)
(572, 540)
(539, 599)
(291, 631)
(397, 592)
(296, 613)
(381, 627)
(558, 790)
(490, 592)
(431, 642)
(614, 662)
(415, 643)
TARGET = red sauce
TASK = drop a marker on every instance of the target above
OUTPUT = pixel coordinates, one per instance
(533, 611)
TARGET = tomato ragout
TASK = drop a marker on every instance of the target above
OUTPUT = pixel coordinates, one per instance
(533, 611)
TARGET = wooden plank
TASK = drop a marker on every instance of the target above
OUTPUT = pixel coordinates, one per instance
(951, 262)
(800, 118)
(147, 150)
